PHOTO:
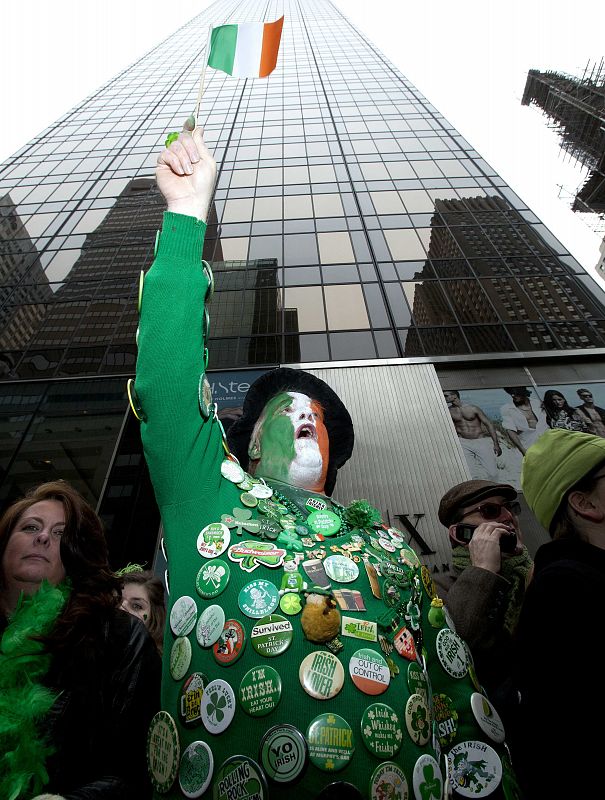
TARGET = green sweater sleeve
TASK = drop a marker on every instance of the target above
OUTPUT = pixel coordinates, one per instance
(170, 364)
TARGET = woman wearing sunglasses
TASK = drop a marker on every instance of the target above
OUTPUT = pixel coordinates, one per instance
(491, 569)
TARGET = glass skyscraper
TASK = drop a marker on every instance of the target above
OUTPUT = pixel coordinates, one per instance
(351, 223)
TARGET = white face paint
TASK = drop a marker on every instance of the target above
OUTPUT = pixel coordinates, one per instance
(293, 441)
(306, 469)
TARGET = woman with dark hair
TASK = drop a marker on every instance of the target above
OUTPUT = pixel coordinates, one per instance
(143, 597)
(559, 414)
(79, 679)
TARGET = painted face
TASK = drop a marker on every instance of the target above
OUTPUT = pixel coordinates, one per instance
(135, 600)
(293, 441)
(33, 551)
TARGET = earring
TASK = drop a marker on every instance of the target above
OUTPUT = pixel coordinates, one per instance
(254, 451)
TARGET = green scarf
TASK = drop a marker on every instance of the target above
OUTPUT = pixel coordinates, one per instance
(23, 700)
(517, 571)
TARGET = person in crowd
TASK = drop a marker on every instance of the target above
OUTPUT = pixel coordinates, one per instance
(491, 570)
(559, 414)
(559, 661)
(143, 596)
(523, 418)
(471, 422)
(79, 679)
(590, 414)
(305, 637)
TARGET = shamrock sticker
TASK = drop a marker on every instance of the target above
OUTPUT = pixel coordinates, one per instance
(241, 521)
(290, 541)
(251, 554)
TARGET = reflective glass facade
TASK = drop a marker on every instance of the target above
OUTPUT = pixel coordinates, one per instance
(350, 221)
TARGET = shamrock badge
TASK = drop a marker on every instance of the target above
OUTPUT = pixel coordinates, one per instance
(241, 520)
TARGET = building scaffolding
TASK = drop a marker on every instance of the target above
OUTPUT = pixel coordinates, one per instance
(576, 107)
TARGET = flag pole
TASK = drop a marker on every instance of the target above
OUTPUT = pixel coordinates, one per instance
(201, 89)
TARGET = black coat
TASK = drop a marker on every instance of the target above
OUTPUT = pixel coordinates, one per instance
(110, 690)
(557, 745)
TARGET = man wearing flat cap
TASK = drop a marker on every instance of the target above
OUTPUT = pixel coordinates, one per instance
(491, 570)
(305, 639)
(560, 650)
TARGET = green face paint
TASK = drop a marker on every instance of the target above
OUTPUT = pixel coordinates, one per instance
(276, 440)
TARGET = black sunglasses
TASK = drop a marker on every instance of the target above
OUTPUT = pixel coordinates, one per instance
(491, 511)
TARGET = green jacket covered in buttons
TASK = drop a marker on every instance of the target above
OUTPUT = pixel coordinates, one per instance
(184, 451)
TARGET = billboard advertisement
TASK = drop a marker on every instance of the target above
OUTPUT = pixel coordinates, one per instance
(496, 426)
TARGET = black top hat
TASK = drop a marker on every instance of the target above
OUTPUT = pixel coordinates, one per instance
(336, 417)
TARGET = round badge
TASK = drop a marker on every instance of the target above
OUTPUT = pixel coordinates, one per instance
(474, 769)
(487, 717)
(290, 604)
(387, 545)
(321, 675)
(248, 499)
(446, 719)
(180, 657)
(427, 779)
(396, 535)
(381, 730)
(230, 644)
(218, 706)
(417, 719)
(213, 540)
(239, 776)
(258, 598)
(212, 579)
(260, 690)
(162, 751)
(195, 770)
(183, 616)
(205, 397)
(272, 635)
(330, 741)
(408, 556)
(190, 700)
(245, 485)
(283, 754)
(369, 671)
(341, 569)
(210, 625)
(388, 783)
(325, 522)
(417, 680)
(397, 573)
(261, 491)
(232, 471)
(452, 653)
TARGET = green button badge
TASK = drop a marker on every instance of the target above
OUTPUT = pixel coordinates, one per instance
(212, 579)
(258, 598)
(330, 741)
(381, 730)
(272, 635)
(260, 690)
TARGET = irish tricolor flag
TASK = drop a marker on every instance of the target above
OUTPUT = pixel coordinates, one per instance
(248, 50)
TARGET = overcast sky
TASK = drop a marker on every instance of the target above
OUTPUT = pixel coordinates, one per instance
(469, 58)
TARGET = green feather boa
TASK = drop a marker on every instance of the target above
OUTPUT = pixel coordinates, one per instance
(23, 700)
